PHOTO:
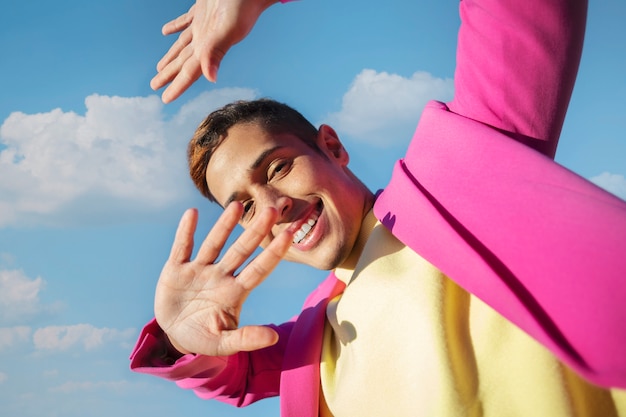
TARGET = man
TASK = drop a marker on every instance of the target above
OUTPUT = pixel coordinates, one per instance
(478, 235)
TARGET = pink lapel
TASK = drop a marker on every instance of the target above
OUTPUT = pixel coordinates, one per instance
(535, 241)
(300, 380)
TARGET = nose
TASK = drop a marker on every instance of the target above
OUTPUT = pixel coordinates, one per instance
(283, 205)
(270, 197)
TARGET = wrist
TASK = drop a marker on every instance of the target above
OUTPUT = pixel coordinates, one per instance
(173, 349)
(168, 352)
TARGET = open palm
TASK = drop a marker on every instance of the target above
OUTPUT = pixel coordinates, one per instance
(198, 302)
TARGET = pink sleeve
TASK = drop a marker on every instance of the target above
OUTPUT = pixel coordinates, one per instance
(246, 377)
(541, 245)
(516, 66)
(239, 379)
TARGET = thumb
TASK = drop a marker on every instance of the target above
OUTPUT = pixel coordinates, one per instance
(247, 338)
(210, 63)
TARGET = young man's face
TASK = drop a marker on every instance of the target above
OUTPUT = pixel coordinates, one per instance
(314, 190)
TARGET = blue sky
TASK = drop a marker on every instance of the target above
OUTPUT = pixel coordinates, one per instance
(93, 178)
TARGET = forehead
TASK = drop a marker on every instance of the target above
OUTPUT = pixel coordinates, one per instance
(244, 149)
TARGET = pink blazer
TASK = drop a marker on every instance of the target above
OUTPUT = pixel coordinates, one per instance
(478, 196)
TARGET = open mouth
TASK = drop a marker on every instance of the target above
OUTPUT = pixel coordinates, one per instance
(306, 226)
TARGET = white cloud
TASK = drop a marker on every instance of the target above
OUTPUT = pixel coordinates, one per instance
(613, 183)
(62, 338)
(3, 377)
(19, 296)
(382, 108)
(13, 336)
(75, 386)
(123, 154)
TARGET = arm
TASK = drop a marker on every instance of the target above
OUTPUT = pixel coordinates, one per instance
(207, 31)
(516, 66)
(538, 243)
(239, 379)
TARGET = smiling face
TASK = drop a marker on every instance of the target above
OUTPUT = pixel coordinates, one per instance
(312, 190)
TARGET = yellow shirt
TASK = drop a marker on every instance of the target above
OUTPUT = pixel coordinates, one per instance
(404, 340)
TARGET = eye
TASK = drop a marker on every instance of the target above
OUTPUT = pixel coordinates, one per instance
(278, 169)
(248, 210)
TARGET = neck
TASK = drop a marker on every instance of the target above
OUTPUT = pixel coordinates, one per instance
(367, 224)
(345, 269)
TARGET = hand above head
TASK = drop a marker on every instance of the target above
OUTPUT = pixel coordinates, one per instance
(207, 31)
(198, 302)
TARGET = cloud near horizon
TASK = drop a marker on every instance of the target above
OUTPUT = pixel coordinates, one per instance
(62, 338)
(19, 303)
(56, 339)
(89, 386)
(123, 154)
(382, 109)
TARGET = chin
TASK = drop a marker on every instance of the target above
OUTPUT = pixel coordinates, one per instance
(326, 263)
(331, 261)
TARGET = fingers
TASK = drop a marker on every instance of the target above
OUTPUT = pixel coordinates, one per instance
(177, 47)
(180, 23)
(246, 339)
(182, 80)
(217, 237)
(261, 266)
(241, 250)
(183, 240)
(249, 240)
(183, 65)
(167, 73)
(181, 73)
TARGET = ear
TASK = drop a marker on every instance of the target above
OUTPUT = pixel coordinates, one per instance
(329, 143)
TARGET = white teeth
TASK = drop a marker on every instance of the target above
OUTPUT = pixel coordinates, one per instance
(298, 236)
(304, 229)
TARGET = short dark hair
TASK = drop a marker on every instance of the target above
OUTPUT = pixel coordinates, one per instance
(271, 115)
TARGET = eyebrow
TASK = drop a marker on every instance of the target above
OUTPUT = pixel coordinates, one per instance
(254, 166)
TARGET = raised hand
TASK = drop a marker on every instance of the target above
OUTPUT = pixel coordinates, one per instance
(198, 302)
(207, 31)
